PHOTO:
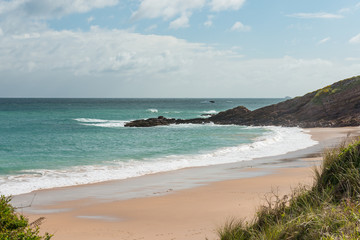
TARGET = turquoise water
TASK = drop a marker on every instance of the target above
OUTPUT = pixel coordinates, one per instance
(60, 142)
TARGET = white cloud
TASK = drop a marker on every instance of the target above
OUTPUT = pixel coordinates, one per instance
(322, 41)
(181, 22)
(20, 16)
(293, 63)
(238, 26)
(90, 19)
(209, 21)
(321, 15)
(96, 51)
(355, 39)
(353, 59)
(114, 63)
(151, 28)
(351, 9)
(221, 5)
(181, 9)
(50, 9)
(344, 10)
(8, 6)
(166, 9)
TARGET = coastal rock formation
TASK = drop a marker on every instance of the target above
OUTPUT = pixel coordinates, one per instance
(333, 106)
(161, 121)
(336, 105)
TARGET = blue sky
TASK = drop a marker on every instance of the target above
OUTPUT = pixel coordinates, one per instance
(176, 48)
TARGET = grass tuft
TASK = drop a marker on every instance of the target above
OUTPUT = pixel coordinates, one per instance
(330, 209)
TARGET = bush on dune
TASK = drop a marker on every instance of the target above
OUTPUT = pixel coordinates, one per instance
(15, 226)
(330, 209)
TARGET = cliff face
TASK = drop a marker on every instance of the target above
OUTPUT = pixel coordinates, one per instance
(333, 106)
(336, 105)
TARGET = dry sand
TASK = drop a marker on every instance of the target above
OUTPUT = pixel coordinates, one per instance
(189, 214)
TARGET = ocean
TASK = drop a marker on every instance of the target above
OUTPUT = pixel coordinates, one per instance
(47, 143)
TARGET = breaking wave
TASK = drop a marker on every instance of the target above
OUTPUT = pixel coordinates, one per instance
(101, 122)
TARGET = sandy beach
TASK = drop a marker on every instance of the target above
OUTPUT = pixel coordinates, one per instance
(167, 211)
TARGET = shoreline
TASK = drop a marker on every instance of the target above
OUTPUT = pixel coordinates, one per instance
(191, 209)
(276, 142)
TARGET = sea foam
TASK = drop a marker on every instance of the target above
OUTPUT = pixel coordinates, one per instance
(101, 122)
(275, 142)
(210, 112)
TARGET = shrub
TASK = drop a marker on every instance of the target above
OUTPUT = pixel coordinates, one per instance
(15, 226)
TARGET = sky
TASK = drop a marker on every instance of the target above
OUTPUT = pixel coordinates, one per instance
(176, 48)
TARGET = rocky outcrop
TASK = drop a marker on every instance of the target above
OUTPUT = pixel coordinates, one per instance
(161, 121)
(336, 105)
(333, 106)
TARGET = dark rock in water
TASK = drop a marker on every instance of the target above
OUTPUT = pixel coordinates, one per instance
(212, 101)
(231, 115)
(151, 122)
(162, 121)
(337, 105)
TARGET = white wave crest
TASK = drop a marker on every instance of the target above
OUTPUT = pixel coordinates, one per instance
(177, 112)
(192, 125)
(90, 120)
(210, 112)
(153, 110)
(101, 122)
(275, 142)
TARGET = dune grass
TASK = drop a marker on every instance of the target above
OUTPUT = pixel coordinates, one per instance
(330, 209)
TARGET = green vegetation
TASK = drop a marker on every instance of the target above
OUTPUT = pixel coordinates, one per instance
(326, 91)
(14, 226)
(335, 88)
(330, 209)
